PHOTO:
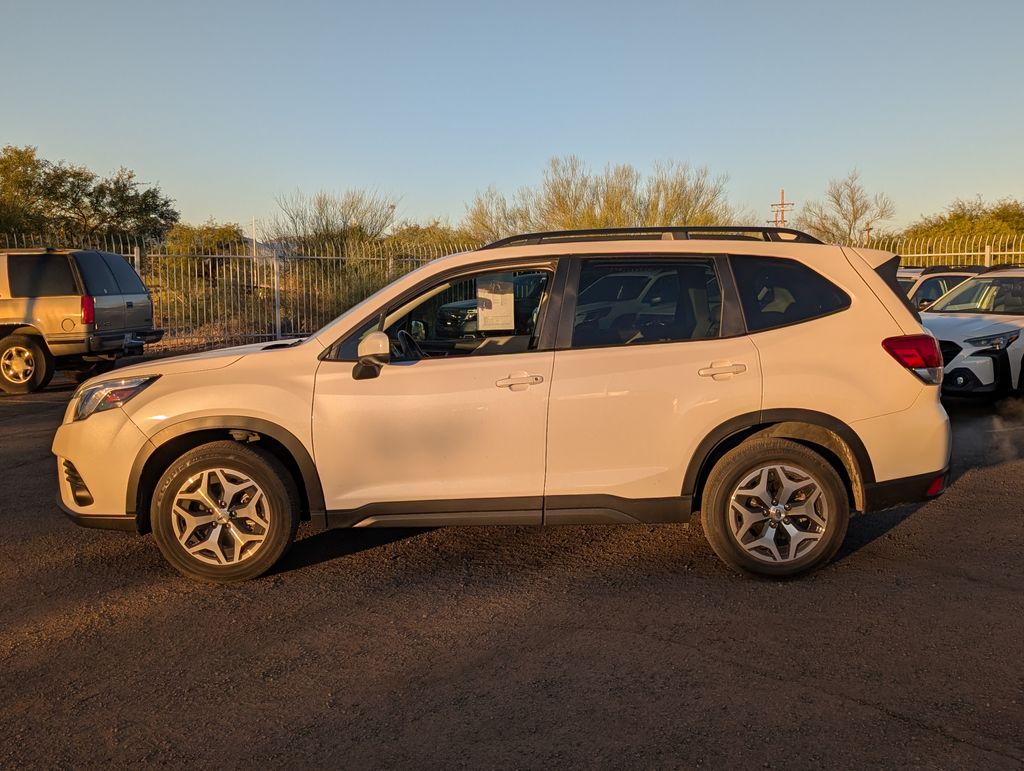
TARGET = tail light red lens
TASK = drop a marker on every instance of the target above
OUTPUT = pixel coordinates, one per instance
(918, 353)
(88, 310)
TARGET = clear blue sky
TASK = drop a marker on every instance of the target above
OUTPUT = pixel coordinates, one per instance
(226, 104)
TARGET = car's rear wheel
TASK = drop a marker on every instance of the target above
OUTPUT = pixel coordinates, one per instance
(775, 508)
(225, 512)
(26, 364)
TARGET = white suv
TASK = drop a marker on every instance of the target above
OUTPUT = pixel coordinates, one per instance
(779, 384)
(978, 325)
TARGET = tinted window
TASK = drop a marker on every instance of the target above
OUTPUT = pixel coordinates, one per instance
(40, 275)
(678, 300)
(98, 279)
(125, 276)
(623, 286)
(776, 292)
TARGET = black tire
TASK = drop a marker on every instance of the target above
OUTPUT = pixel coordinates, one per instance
(43, 365)
(263, 469)
(737, 465)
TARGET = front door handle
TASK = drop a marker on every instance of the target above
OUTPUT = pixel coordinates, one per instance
(722, 370)
(519, 381)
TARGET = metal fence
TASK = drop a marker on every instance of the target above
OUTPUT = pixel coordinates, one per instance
(214, 294)
(955, 250)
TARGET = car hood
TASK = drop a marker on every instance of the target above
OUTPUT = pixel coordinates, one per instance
(193, 362)
(962, 326)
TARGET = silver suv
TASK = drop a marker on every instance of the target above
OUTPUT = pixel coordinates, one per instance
(68, 309)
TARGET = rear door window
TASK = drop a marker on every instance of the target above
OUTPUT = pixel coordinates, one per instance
(776, 292)
(125, 276)
(633, 302)
(40, 275)
(99, 281)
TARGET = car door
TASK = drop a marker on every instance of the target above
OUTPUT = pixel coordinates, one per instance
(629, 406)
(452, 427)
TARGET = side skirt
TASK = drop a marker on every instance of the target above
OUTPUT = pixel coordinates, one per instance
(553, 510)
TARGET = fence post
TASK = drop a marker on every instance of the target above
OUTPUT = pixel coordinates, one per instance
(277, 297)
(988, 255)
(137, 259)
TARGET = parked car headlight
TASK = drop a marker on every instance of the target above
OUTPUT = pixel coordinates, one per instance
(107, 394)
(995, 342)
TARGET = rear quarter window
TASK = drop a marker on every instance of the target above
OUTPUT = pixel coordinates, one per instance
(40, 275)
(99, 281)
(125, 276)
(777, 292)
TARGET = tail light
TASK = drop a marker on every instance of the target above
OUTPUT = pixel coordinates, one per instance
(88, 309)
(918, 353)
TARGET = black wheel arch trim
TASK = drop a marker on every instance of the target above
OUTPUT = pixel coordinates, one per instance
(797, 424)
(314, 493)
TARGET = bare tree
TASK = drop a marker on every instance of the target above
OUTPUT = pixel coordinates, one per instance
(570, 196)
(325, 218)
(848, 214)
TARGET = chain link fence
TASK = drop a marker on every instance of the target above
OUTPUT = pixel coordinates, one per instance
(212, 295)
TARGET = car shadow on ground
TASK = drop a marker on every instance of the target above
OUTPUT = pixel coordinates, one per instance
(328, 545)
(865, 529)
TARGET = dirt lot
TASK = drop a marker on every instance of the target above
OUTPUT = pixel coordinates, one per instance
(575, 646)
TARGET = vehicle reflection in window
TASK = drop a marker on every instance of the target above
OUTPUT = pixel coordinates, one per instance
(627, 303)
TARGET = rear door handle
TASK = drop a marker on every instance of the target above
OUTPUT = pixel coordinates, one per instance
(519, 381)
(129, 304)
(722, 370)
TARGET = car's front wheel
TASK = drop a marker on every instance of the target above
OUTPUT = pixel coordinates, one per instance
(225, 511)
(774, 507)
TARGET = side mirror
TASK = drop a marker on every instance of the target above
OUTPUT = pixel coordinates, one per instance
(922, 304)
(374, 352)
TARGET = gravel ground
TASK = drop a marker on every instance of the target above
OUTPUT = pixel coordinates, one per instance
(522, 647)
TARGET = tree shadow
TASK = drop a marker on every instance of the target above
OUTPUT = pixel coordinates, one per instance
(328, 545)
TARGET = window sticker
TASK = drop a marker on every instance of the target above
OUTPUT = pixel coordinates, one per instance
(495, 295)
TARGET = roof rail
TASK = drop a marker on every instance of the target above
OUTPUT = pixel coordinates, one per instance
(950, 268)
(671, 233)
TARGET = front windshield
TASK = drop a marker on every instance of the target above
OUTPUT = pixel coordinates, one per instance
(984, 295)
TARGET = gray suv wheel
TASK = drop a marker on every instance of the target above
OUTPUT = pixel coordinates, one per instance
(26, 364)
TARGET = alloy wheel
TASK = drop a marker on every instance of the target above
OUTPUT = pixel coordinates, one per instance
(778, 513)
(17, 364)
(221, 516)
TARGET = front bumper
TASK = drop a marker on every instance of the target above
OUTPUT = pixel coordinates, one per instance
(94, 462)
(103, 522)
(895, 492)
(980, 373)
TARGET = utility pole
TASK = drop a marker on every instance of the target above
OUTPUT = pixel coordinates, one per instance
(780, 209)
